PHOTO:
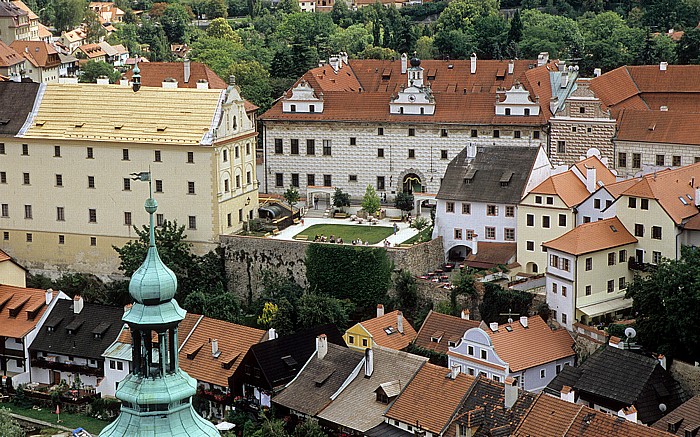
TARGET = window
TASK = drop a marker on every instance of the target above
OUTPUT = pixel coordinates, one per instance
(293, 108)
(93, 241)
(380, 183)
(484, 354)
(565, 265)
(229, 220)
(279, 149)
(326, 147)
(622, 283)
(611, 285)
(353, 141)
(3, 177)
(226, 185)
(60, 214)
(610, 202)
(510, 211)
(622, 256)
(92, 215)
(550, 200)
(611, 258)
(29, 237)
(562, 219)
(596, 203)
(327, 180)
(411, 131)
(509, 234)
(57, 151)
(589, 264)
(581, 110)
(622, 159)
(474, 133)
(588, 290)
(240, 215)
(310, 179)
(656, 232)
(190, 157)
(536, 135)
(27, 211)
(190, 187)
(443, 133)
(224, 155)
(656, 257)
(457, 234)
(490, 233)
(159, 186)
(125, 154)
(2, 148)
(644, 203)
(5, 235)
(156, 156)
(295, 180)
(364, 342)
(411, 153)
(554, 261)
(470, 234)
(120, 365)
(586, 219)
(561, 146)
(530, 218)
(25, 149)
(192, 222)
(279, 179)
(543, 373)
(496, 133)
(380, 131)
(294, 146)
(466, 208)
(126, 184)
(351, 339)
(638, 230)
(660, 159)
(247, 148)
(127, 218)
(310, 147)
(380, 153)
(516, 134)
(248, 178)
(90, 154)
(449, 207)
(563, 317)
(538, 200)
(636, 160)
(492, 210)
(5, 210)
(573, 128)
(545, 221)
(676, 161)
(530, 246)
(91, 181)
(25, 178)
(632, 202)
(443, 154)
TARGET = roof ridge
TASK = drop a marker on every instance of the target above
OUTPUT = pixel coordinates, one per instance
(566, 431)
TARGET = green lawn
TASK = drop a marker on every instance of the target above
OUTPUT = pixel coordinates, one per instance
(72, 421)
(426, 233)
(373, 234)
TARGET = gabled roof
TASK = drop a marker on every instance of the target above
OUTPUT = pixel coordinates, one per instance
(20, 310)
(685, 417)
(445, 327)
(385, 332)
(618, 188)
(24, 7)
(8, 56)
(82, 342)
(154, 73)
(566, 185)
(12, 117)
(481, 178)
(603, 174)
(667, 187)
(523, 348)
(10, 9)
(430, 399)
(552, 417)
(310, 392)
(92, 51)
(40, 53)
(356, 406)
(74, 35)
(233, 343)
(592, 237)
(491, 254)
(664, 127)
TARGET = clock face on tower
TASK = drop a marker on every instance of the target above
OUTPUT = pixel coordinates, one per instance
(412, 98)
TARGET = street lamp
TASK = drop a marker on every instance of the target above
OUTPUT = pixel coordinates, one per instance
(247, 201)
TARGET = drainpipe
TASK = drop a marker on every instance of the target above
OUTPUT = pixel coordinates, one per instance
(265, 156)
(680, 231)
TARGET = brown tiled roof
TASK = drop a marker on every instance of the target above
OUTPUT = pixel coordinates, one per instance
(10, 9)
(523, 348)
(490, 254)
(92, 50)
(618, 188)
(396, 340)
(8, 56)
(233, 343)
(4, 256)
(566, 185)
(430, 399)
(552, 417)
(685, 417)
(20, 310)
(693, 224)
(451, 327)
(592, 237)
(39, 53)
(183, 330)
(659, 127)
(603, 173)
(667, 187)
(24, 7)
(153, 74)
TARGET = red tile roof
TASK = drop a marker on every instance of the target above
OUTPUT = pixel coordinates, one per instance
(396, 340)
(592, 237)
(490, 254)
(153, 74)
(566, 185)
(8, 56)
(20, 310)
(447, 328)
(39, 53)
(665, 127)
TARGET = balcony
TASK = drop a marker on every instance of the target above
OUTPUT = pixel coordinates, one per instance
(67, 367)
(632, 264)
(215, 395)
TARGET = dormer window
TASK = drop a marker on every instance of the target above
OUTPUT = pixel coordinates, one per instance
(50, 329)
(293, 108)
(435, 339)
(312, 108)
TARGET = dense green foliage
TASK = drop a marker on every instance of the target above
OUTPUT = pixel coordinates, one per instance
(9, 426)
(498, 301)
(370, 201)
(93, 70)
(434, 357)
(341, 199)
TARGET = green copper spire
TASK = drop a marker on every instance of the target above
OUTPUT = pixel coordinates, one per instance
(157, 395)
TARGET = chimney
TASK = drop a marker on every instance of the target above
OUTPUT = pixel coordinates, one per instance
(334, 62)
(102, 80)
(663, 66)
(663, 108)
(697, 197)
(169, 82)
(404, 63)
(454, 371)
(215, 348)
(493, 326)
(473, 64)
(231, 79)
(564, 79)
(542, 58)
(561, 66)
(77, 304)
(567, 394)
(597, 72)
(475, 244)
(511, 392)
(49, 296)
(399, 322)
(590, 179)
(187, 70)
(629, 413)
(124, 81)
(369, 362)
(344, 58)
(511, 66)
(271, 334)
(465, 314)
(616, 342)
(202, 84)
(523, 321)
(662, 361)
(380, 310)
(321, 346)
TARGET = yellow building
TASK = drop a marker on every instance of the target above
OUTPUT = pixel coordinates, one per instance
(66, 172)
(11, 273)
(386, 330)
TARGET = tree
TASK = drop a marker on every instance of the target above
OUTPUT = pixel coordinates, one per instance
(93, 70)
(288, 6)
(425, 48)
(254, 81)
(68, 13)
(370, 201)
(341, 199)
(127, 35)
(176, 22)
(372, 52)
(218, 54)
(515, 32)
(499, 301)
(460, 14)
(462, 285)
(407, 296)
(310, 428)
(269, 312)
(95, 31)
(291, 196)
(219, 28)
(154, 37)
(9, 426)
(666, 303)
(558, 35)
(341, 14)
(215, 9)
(688, 48)
(404, 201)
(317, 309)
(352, 40)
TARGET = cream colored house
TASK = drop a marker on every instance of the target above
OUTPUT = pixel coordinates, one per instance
(11, 273)
(69, 191)
(587, 272)
(549, 210)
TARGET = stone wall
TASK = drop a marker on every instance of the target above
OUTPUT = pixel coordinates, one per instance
(247, 257)
(687, 375)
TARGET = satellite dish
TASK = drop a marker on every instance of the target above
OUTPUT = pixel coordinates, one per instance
(630, 333)
(662, 407)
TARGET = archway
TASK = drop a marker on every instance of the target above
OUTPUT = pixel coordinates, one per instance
(458, 253)
(412, 183)
(532, 268)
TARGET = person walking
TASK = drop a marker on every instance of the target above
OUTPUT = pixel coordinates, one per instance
(315, 202)
(396, 228)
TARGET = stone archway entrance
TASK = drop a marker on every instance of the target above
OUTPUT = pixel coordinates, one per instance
(412, 183)
(458, 253)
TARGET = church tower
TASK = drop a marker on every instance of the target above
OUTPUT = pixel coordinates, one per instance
(157, 395)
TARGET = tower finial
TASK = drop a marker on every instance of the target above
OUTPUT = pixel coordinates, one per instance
(151, 205)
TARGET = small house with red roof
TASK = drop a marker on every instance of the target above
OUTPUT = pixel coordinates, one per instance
(388, 330)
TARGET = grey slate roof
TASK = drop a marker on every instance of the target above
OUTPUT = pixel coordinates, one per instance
(311, 391)
(22, 95)
(93, 318)
(568, 376)
(356, 406)
(488, 167)
(9, 9)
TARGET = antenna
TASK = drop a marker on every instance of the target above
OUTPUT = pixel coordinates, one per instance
(630, 333)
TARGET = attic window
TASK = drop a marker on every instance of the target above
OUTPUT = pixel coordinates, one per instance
(50, 329)
(431, 74)
(451, 343)
(289, 361)
(613, 228)
(322, 378)
(470, 175)
(450, 66)
(683, 201)
(435, 339)
(39, 123)
(505, 178)
(501, 74)
(386, 74)
(161, 128)
(79, 124)
(652, 127)
(390, 330)
(118, 126)
(4, 121)
(509, 328)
